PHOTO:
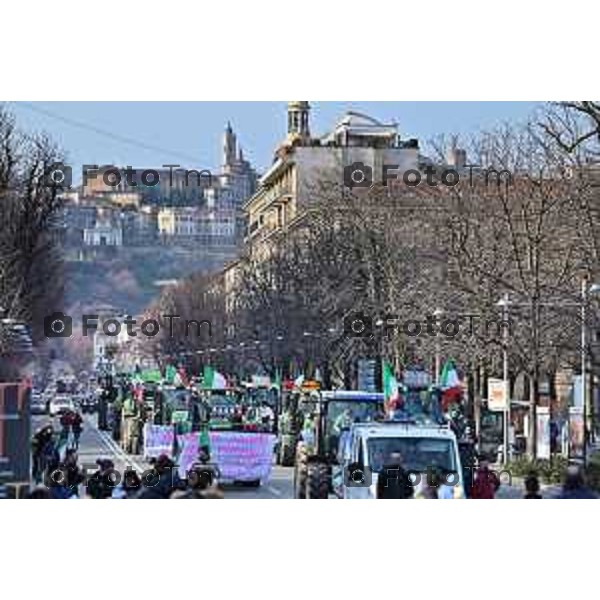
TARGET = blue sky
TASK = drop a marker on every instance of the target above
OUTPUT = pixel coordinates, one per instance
(149, 134)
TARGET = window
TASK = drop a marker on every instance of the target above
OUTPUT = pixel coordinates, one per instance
(414, 454)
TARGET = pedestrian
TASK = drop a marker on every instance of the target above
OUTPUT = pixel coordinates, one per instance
(72, 472)
(574, 487)
(532, 487)
(485, 483)
(39, 449)
(76, 427)
(393, 482)
(63, 436)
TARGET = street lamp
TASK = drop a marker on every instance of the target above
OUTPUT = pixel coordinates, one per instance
(504, 303)
(585, 291)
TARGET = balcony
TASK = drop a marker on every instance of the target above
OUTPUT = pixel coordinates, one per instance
(274, 197)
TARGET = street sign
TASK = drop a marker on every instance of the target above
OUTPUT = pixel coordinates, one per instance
(497, 394)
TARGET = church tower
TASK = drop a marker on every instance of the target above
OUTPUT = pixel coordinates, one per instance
(229, 146)
(298, 126)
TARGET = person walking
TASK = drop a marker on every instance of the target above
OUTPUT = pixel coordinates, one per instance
(485, 483)
(65, 424)
(73, 475)
(39, 448)
(76, 428)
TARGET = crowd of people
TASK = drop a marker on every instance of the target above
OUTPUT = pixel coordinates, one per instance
(64, 479)
(484, 486)
(49, 447)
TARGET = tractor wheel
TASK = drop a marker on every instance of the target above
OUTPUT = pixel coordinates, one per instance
(317, 482)
(300, 473)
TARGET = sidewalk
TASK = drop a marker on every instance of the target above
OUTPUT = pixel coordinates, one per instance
(517, 490)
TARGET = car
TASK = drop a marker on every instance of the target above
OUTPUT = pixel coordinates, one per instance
(60, 404)
(367, 446)
(38, 405)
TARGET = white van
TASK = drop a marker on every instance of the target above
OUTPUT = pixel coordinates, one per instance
(421, 446)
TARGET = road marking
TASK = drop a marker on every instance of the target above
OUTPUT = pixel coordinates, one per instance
(113, 447)
(274, 491)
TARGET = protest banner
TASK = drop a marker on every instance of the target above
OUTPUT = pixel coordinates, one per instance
(189, 447)
(242, 456)
(158, 439)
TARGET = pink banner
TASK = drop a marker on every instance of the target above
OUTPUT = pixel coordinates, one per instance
(158, 439)
(242, 456)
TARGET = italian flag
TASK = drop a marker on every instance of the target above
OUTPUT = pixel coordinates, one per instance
(391, 391)
(450, 385)
(213, 380)
(180, 378)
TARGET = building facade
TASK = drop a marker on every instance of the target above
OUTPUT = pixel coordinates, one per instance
(302, 161)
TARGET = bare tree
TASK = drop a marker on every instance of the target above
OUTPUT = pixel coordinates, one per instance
(31, 282)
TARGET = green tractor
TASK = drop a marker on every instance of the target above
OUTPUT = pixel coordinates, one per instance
(330, 414)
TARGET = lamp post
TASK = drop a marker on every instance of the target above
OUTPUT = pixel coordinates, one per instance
(586, 290)
(504, 302)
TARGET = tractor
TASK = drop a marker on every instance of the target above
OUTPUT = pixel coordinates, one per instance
(330, 414)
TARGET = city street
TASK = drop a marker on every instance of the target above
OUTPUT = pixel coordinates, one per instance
(96, 444)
